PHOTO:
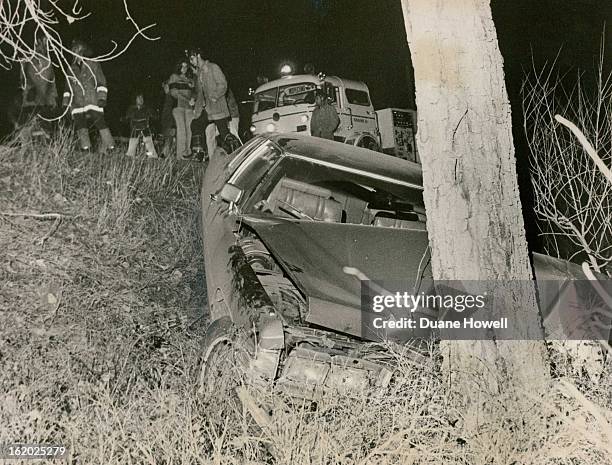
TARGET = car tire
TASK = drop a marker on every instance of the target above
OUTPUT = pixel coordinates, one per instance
(231, 143)
(368, 143)
(225, 353)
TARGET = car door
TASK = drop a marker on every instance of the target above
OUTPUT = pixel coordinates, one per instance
(220, 218)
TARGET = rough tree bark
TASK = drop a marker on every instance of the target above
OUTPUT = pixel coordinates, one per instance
(471, 193)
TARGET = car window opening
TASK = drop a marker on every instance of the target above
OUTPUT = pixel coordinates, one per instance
(256, 164)
(304, 190)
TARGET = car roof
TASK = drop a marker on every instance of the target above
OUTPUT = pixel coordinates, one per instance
(349, 157)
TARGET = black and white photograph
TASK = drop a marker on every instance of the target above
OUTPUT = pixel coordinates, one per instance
(306, 232)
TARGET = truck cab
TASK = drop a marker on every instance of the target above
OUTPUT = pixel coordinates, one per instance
(286, 105)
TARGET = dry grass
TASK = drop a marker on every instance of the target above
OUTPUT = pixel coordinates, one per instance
(96, 340)
(100, 336)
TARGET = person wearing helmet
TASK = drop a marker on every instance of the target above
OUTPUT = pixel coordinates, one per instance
(86, 96)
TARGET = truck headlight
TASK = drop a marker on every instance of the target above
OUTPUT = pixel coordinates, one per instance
(253, 128)
(304, 118)
(271, 127)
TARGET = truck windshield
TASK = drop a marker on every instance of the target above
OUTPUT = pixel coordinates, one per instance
(303, 92)
(293, 94)
(265, 100)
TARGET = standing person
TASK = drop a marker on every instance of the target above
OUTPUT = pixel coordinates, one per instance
(86, 94)
(168, 126)
(233, 122)
(211, 89)
(234, 110)
(182, 86)
(324, 119)
(39, 96)
(139, 117)
(199, 132)
(13, 109)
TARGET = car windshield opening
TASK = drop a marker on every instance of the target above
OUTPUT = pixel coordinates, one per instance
(304, 189)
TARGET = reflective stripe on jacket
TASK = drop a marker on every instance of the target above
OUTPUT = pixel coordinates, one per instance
(87, 87)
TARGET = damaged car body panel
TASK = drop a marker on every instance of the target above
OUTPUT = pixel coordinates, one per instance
(291, 225)
(318, 253)
(303, 307)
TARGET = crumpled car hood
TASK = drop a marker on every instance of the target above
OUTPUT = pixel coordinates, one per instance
(314, 255)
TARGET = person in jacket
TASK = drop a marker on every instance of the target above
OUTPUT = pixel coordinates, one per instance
(199, 131)
(234, 121)
(139, 116)
(168, 126)
(325, 119)
(211, 90)
(199, 127)
(39, 92)
(86, 96)
(234, 110)
(181, 85)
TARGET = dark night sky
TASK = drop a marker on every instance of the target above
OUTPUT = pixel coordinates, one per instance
(359, 39)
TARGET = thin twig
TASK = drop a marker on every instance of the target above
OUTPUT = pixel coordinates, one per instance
(38, 216)
(48, 49)
(56, 224)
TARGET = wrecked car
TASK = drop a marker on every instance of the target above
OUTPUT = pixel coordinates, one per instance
(291, 225)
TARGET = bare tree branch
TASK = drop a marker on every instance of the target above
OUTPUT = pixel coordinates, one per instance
(587, 146)
(571, 180)
(23, 23)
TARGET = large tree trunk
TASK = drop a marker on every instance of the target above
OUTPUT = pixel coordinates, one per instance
(471, 193)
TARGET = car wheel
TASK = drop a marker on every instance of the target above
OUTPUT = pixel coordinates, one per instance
(233, 143)
(368, 143)
(224, 358)
(230, 143)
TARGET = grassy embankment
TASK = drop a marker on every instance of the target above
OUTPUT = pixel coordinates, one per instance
(100, 325)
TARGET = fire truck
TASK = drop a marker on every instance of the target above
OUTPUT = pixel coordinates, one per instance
(286, 105)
